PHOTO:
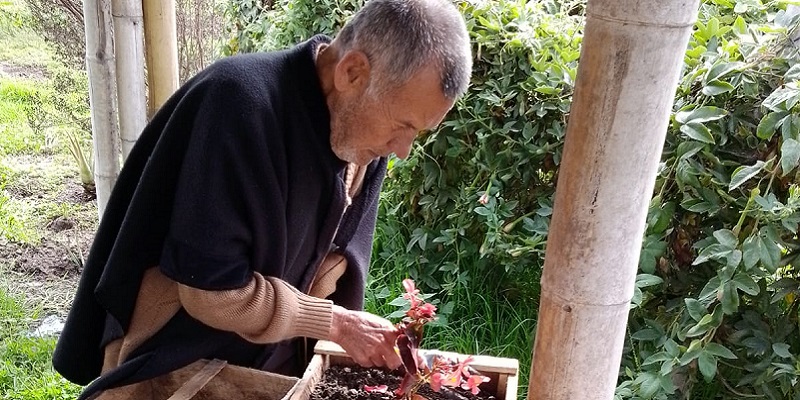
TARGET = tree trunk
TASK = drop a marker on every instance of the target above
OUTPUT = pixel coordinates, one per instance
(128, 32)
(102, 96)
(161, 51)
(630, 63)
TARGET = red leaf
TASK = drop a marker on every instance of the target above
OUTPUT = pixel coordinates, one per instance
(473, 382)
(376, 389)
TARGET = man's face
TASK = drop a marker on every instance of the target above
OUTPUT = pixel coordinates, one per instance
(364, 127)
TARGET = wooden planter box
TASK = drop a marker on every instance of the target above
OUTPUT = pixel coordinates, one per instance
(503, 372)
(215, 380)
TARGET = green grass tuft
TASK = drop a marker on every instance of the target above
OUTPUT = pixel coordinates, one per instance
(17, 100)
(26, 371)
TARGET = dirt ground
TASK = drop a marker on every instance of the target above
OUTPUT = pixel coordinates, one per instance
(10, 70)
(45, 273)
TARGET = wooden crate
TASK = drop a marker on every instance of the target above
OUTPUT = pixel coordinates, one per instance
(503, 372)
(215, 380)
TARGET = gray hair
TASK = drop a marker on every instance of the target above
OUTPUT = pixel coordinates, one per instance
(399, 37)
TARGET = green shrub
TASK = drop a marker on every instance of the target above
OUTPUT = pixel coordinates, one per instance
(715, 311)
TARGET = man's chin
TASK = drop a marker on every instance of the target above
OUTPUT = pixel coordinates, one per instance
(359, 158)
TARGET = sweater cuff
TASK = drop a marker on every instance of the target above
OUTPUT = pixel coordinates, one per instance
(313, 318)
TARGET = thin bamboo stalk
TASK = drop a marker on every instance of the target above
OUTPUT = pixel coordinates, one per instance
(629, 68)
(131, 87)
(161, 52)
(102, 96)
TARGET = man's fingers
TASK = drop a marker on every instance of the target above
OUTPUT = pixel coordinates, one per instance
(392, 359)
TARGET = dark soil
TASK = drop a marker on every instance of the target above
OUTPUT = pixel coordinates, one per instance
(64, 244)
(347, 383)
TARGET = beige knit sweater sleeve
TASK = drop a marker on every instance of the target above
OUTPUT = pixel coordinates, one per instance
(268, 310)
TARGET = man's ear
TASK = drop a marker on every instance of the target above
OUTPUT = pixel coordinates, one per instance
(352, 72)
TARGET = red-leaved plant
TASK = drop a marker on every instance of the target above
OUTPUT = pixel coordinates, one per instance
(433, 369)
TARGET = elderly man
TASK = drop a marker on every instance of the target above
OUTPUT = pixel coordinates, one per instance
(242, 222)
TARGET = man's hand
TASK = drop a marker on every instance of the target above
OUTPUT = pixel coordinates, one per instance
(367, 338)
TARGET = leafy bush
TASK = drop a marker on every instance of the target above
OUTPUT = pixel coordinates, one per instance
(61, 24)
(715, 311)
(722, 227)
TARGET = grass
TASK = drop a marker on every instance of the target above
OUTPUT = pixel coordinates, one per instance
(16, 135)
(35, 167)
(26, 371)
(19, 44)
(477, 318)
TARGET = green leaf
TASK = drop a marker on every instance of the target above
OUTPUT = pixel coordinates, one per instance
(694, 351)
(646, 335)
(769, 251)
(720, 351)
(701, 327)
(745, 283)
(710, 289)
(734, 258)
(661, 356)
(790, 155)
(652, 249)
(482, 211)
(698, 132)
(688, 149)
(730, 298)
(636, 300)
(751, 251)
(700, 115)
(726, 238)
(739, 26)
(695, 308)
(744, 173)
(672, 348)
(793, 74)
(708, 365)
(791, 222)
(769, 123)
(645, 280)
(649, 384)
(782, 99)
(714, 88)
(782, 350)
(721, 69)
(713, 252)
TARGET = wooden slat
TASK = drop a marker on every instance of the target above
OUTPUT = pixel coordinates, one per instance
(199, 380)
(316, 368)
(512, 384)
(500, 365)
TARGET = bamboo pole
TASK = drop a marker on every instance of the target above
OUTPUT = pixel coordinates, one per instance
(129, 52)
(102, 96)
(162, 52)
(630, 62)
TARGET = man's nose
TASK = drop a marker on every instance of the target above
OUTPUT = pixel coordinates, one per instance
(401, 146)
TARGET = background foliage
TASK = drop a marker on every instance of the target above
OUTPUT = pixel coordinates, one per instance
(716, 309)
(199, 31)
(715, 313)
